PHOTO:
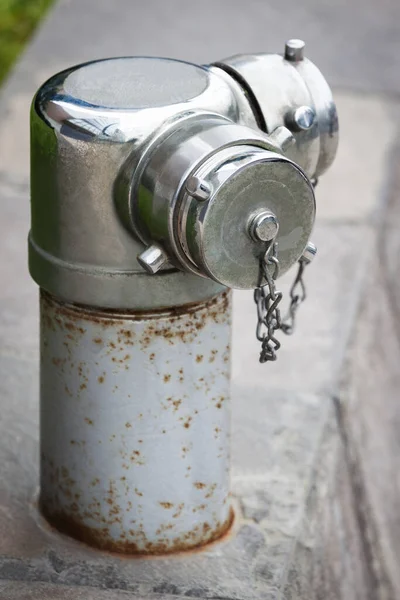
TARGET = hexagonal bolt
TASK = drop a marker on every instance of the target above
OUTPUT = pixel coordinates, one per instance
(301, 119)
(309, 253)
(283, 137)
(198, 188)
(152, 259)
(264, 226)
(294, 50)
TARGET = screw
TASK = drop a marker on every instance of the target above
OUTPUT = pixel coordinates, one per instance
(302, 118)
(309, 253)
(264, 226)
(152, 259)
(294, 50)
(198, 188)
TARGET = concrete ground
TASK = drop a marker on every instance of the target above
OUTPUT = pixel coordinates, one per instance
(314, 523)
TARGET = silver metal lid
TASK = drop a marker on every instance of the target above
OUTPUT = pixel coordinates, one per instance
(217, 233)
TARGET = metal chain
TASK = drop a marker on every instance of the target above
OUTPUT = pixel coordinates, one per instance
(268, 298)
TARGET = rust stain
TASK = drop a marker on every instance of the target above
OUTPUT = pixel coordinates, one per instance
(127, 335)
(167, 378)
(184, 323)
(220, 401)
(138, 545)
(211, 489)
(176, 404)
(187, 422)
(58, 362)
(199, 507)
(199, 485)
(177, 324)
(213, 356)
(166, 504)
(164, 528)
(128, 425)
(179, 510)
(135, 458)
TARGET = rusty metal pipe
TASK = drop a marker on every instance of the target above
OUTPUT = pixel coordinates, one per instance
(135, 424)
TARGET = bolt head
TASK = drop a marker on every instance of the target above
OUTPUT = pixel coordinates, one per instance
(264, 226)
(283, 137)
(198, 188)
(309, 253)
(303, 118)
(294, 50)
(152, 259)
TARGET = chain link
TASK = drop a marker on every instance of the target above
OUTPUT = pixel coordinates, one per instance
(268, 298)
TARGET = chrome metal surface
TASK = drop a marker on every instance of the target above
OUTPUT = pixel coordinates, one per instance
(152, 259)
(86, 124)
(114, 140)
(277, 87)
(302, 118)
(268, 299)
(161, 206)
(309, 253)
(199, 189)
(246, 180)
(283, 137)
(263, 226)
(135, 425)
(210, 238)
(294, 50)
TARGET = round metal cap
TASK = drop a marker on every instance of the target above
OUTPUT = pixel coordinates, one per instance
(246, 182)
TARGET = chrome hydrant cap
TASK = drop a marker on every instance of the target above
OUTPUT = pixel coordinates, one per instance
(244, 181)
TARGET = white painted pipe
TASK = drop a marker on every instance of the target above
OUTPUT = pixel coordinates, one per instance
(135, 424)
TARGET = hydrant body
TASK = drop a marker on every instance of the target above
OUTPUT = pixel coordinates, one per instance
(194, 164)
(135, 424)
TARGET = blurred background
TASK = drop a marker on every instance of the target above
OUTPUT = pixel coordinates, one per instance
(18, 21)
(357, 42)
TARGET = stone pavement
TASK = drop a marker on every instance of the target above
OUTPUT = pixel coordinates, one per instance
(313, 473)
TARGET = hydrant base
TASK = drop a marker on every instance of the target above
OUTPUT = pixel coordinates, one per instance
(135, 425)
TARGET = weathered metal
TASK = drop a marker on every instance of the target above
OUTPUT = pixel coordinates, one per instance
(135, 424)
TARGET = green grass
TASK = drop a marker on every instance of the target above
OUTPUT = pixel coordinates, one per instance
(18, 19)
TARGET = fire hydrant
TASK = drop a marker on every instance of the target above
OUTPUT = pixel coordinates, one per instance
(157, 186)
